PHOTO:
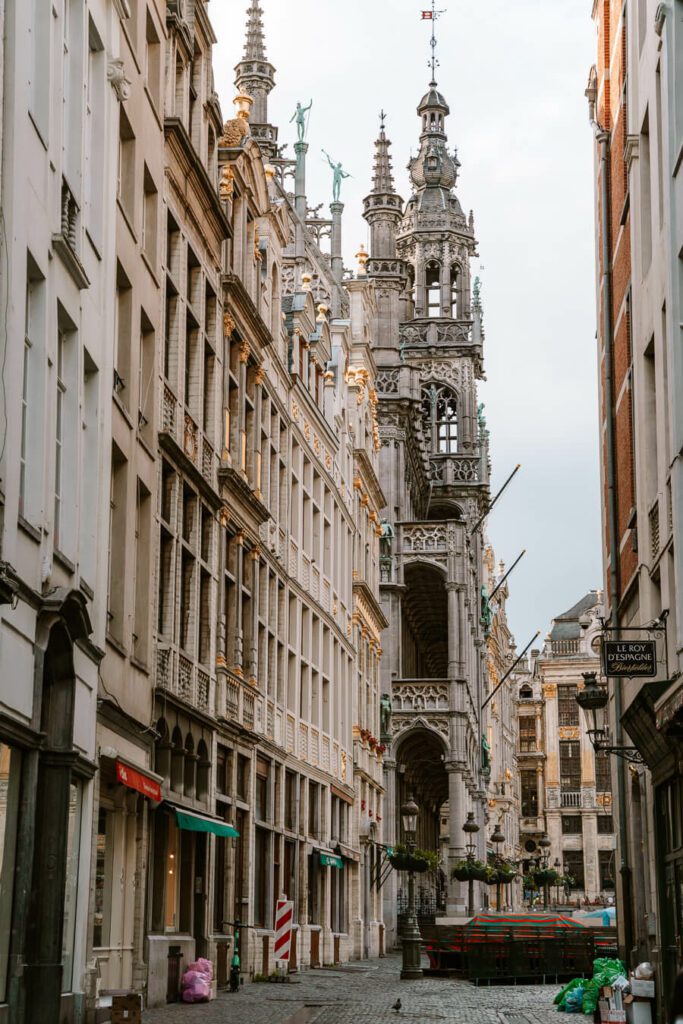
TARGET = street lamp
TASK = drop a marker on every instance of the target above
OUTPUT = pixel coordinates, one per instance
(411, 968)
(545, 845)
(498, 837)
(470, 828)
(593, 701)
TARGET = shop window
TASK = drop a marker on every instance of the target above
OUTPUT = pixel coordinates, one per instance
(314, 888)
(103, 877)
(73, 841)
(220, 871)
(337, 900)
(10, 771)
(289, 875)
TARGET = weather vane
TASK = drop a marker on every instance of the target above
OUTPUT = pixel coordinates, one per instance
(432, 16)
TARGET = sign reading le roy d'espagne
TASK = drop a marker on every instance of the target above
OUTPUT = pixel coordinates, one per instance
(630, 657)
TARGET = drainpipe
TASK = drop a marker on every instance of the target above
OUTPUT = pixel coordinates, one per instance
(602, 138)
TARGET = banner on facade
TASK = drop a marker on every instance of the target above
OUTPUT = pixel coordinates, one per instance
(629, 657)
(284, 917)
(138, 780)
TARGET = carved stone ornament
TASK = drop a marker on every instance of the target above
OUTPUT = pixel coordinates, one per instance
(233, 132)
(549, 690)
(228, 325)
(116, 76)
(226, 185)
(569, 732)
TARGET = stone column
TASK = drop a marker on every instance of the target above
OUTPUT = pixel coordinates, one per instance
(457, 803)
(300, 149)
(336, 209)
(242, 424)
(259, 377)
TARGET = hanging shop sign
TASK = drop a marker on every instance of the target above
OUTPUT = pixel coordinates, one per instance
(138, 780)
(629, 658)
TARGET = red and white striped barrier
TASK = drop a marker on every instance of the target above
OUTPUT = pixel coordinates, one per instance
(284, 916)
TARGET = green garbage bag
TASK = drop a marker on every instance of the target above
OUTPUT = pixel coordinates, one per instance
(606, 970)
(561, 997)
(591, 994)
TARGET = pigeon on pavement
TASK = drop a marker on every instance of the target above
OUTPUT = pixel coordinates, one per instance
(397, 1005)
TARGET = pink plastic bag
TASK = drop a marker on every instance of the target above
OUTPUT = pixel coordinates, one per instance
(196, 987)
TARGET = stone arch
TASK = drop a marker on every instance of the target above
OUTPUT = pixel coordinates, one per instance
(421, 752)
(424, 621)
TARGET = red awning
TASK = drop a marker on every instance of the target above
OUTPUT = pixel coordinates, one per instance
(139, 781)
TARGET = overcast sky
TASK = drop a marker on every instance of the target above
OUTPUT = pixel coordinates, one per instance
(514, 74)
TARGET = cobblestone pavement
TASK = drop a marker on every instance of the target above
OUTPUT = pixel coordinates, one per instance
(364, 993)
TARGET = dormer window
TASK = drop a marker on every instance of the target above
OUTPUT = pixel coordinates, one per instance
(433, 286)
(440, 419)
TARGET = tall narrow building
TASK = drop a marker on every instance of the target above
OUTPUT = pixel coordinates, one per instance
(434, 471)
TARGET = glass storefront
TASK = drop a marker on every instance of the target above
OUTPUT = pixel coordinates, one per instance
(10, 773)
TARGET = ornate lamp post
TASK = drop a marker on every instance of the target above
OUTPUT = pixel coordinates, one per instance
(470, 828)
(411, 933)
(498, 838)
(593, 699)
(545, 845)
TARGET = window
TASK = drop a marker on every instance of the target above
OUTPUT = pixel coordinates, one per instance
(117, 544)
(603, 774)
(150, 225)
(146, 377)
(153, 62)
(570, 765)
(527, 734)
(94, 134)
(104, 848)
(242, 777)
(123, 335)
(645, 193)
(572, 825)
(40, 28)
(143, 530)
(125, 191)
(290, 800)
(605, 825)
(529, 793)
(573, 864)
(606, 869)
(455, 292)
(10, 776)
(440, 419)
(313, 808)
(567, 708)
(525, 692)
(262, 784)
(90, 460)
(433, 288)
(65, 435)
(261, 860)
(32, 405)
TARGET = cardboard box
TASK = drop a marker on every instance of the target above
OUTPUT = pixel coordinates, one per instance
(642, 989)
(639, 1013)
(616, 1017)
(606, 991)
(127, 1009)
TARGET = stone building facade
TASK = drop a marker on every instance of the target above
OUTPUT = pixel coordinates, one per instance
(565, 787)
(58, 261)
(500, 725)
(635, 94)
(434, 472)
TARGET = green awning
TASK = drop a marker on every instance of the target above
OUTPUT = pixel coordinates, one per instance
(331, 860)
(199, 823)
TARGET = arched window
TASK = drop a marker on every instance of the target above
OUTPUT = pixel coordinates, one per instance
(177, 761)
(440, 418)
(433, 287)
(525, 692)
(455, 291)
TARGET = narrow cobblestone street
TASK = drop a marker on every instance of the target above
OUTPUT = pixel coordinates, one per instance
(364, 993)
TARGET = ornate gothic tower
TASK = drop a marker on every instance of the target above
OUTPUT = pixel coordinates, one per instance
(435, 473)
(255, 75)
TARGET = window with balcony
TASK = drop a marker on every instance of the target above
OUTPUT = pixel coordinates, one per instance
(570, 766)
(527, 735)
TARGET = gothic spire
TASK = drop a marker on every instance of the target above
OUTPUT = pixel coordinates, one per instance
(255, 75)
(255, 42)
(382, 178)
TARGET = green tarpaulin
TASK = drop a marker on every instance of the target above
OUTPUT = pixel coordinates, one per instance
(198, 823)
(329, 859)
